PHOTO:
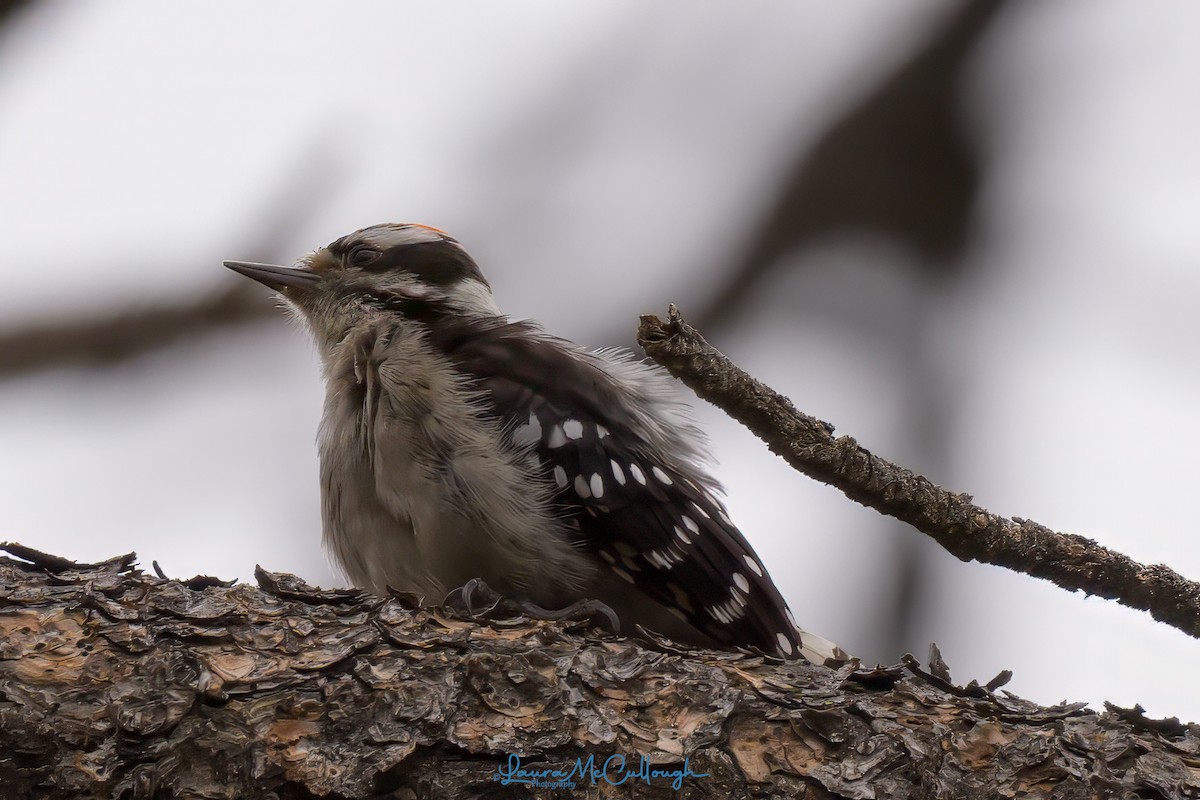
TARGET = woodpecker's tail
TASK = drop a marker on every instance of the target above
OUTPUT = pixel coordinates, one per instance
(822, 651)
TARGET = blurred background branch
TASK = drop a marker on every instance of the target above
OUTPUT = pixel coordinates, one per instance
(899, 163)
(108, 336)
(10, 8)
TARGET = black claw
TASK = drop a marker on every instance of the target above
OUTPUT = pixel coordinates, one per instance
(480, 601)
(480, 598)
(474, 597)
(579, 611)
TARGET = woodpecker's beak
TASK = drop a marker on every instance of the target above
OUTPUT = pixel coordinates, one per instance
(277, 278)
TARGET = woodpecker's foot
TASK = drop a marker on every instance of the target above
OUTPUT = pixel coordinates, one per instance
(476, 600)
(593, 611)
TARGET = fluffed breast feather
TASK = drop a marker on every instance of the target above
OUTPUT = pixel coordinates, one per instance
(469, 495)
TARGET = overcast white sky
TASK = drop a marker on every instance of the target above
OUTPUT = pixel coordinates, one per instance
(594, 155)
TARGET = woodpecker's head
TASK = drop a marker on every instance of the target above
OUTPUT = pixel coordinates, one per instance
(408, 269)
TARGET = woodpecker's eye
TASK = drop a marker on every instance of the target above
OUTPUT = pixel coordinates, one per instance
(362, 255)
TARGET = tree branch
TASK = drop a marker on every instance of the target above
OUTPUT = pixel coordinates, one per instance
(110, 336)
(968, 531)
(115, 683)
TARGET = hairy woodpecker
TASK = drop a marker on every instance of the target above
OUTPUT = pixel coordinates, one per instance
(457, 444)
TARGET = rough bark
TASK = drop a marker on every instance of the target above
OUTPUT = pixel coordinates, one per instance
(970, 532)
(116, 683)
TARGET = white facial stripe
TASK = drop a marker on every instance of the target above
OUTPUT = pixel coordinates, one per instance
(473, 297)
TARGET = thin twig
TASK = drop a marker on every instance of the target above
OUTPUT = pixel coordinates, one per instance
(968, 531)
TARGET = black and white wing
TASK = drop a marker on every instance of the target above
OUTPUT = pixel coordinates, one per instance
(652, 519)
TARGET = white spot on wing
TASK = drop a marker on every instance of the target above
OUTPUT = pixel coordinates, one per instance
(662, 476)
(560, 477)
(597, 484)
(689, 523)
(733, 611)
(655, 558)
(573, 428)
(700, 511)
(601, 431)
(556, 437)
(742, 583)
(625, 575)
(785, 644)
(681, 536)
(618, 473)
(753, 565)
(636, 472)
(581, 487)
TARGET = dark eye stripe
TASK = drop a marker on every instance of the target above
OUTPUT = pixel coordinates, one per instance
(435, 263)
(362, 256)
